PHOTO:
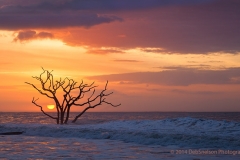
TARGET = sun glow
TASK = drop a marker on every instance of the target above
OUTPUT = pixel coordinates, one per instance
(50, 106)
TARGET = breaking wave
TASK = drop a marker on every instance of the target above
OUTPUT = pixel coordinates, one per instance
(180, 132)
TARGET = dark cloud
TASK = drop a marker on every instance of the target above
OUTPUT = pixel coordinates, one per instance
(206, 28)
(178, 77)
(173, 26)
(29, 35)
(126, 4)
(194, 29)
(25, 14)
(103, 5)
(48, 21)
(47, 15)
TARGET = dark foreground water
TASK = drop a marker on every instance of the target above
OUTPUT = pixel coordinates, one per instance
(158, 135)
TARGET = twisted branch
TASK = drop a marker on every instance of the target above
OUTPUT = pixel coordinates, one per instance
(34, 102)
(101, 101)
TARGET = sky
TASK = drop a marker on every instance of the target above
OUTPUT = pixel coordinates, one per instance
(168, 55)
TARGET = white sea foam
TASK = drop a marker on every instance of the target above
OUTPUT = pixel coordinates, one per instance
(181, 132)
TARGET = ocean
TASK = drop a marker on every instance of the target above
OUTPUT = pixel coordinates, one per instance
(125, 135)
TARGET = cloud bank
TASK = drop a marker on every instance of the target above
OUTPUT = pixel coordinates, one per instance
(173, 26)
(103, 5)
(51, 21)
(196, 29)
(30, 35)
(178, 77)
(25, 14)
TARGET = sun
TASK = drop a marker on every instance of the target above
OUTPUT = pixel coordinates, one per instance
(51, 106)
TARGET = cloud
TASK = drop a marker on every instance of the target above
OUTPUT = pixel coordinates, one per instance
(173, 68)
(48, 21)
(153, 50)
(186, 67)
(193, 29)
(126, 4)
(170, 26)
(112, 5)
(104, 51)
(50, 14)
(215, 61)
(180, 91)
(177, 77)
(30, 35)
(25, 14)
(125, 60)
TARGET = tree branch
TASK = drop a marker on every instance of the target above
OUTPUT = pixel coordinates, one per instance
(40, 91)
(101, 100)
(34, 102)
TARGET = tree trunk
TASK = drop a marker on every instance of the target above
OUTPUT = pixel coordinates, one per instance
(62, 116)
(67, 116)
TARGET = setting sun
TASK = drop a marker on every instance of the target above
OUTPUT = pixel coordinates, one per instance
(50, 106)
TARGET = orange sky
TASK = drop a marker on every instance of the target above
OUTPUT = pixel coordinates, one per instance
(175, 56)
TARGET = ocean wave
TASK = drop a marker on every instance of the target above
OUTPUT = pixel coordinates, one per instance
(181, 132)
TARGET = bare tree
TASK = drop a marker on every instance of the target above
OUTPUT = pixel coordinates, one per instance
(72, 95)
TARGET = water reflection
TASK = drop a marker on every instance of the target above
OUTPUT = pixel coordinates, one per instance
(21, 147)
(31, 147)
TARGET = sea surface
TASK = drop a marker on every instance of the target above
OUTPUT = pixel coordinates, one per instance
(143, 135)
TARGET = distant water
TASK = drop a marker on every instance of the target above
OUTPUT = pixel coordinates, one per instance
(100, 117)
(150, 135)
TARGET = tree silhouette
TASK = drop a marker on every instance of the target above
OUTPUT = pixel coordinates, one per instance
(71, 93)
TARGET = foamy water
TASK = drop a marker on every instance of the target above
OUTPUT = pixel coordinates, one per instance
(118, 137)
